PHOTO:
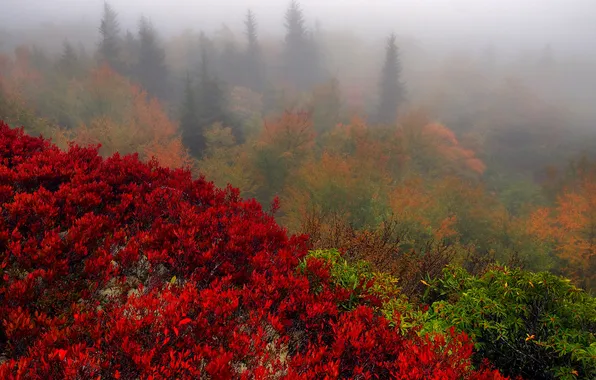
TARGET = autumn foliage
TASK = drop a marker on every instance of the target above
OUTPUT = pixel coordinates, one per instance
(570, 225)
(123, 118)
(115, 268)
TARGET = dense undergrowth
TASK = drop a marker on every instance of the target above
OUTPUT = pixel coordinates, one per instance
(113, 268)
(530, 325)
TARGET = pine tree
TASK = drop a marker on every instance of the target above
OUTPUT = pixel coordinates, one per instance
(302, 63)
(151, 70)
(254, 63)
(229, 62)
(315, 53)
(295, 43)
(193, 134)
(130, 56)
(109, 45)
(212, 103)
(391, 89)
(68, 64)
(40, 59)
(251, 33)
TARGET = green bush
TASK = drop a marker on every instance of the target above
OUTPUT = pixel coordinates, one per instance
(536, 325)
(358, 278)
(363, 283)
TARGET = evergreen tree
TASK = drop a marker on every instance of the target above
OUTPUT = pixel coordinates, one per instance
(302, 62)
(151, 70)
(193, 135)
(251, 33)
(391, 90)
(212, 103)
(253, 64)
(295, 43)
(318, 72)
(229, 62)
(109, 44)
(82, 55)
(130, 56)
(40, 59)
(68, 64)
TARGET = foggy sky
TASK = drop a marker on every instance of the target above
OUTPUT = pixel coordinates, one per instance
(568, 25)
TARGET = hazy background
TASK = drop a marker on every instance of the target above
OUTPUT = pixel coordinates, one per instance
(512, 24)
(460, 48)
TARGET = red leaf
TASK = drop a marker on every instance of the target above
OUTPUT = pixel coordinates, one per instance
(61, 354)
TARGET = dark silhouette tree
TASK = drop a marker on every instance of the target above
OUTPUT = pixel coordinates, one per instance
(193, 136)
(151, 70)
(391, 89)
(130, 54)
(229, 62)
(301, 61)
(253, 58)
(40, 59)
(110, 40)
(68, 63)
(212, 101)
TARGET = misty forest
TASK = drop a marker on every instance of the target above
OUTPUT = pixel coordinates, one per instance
(297, 191)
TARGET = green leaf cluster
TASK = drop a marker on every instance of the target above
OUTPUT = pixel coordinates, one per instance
(536, 325)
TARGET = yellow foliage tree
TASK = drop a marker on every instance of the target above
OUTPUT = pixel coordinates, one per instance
(225, 162)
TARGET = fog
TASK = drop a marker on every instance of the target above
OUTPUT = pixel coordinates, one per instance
(566, 24)
(458, 57)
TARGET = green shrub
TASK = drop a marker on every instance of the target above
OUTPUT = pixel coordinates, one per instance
(358, 278)
(536, 325)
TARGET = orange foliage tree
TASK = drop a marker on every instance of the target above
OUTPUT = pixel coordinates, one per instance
(104, 108)
(122, 118)
(433, 149)
(570, 227)
(19, 83)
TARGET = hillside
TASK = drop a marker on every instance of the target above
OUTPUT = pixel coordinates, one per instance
(281, 196)
(114, 268)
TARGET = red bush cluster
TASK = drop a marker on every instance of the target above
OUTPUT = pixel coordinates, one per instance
(113, 268)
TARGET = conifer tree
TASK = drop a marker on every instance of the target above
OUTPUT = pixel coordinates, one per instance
(297, 53)
(254, 63)
(391, 90)
(251, 33)
(68, 64)
(302, 62)
(130, 56)
(40, 59)
(212, 102)
(193, 136)
(151, 70)
(295, 43)
(110, 40)
(230, 64)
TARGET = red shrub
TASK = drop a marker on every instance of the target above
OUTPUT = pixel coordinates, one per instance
(120, 269)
